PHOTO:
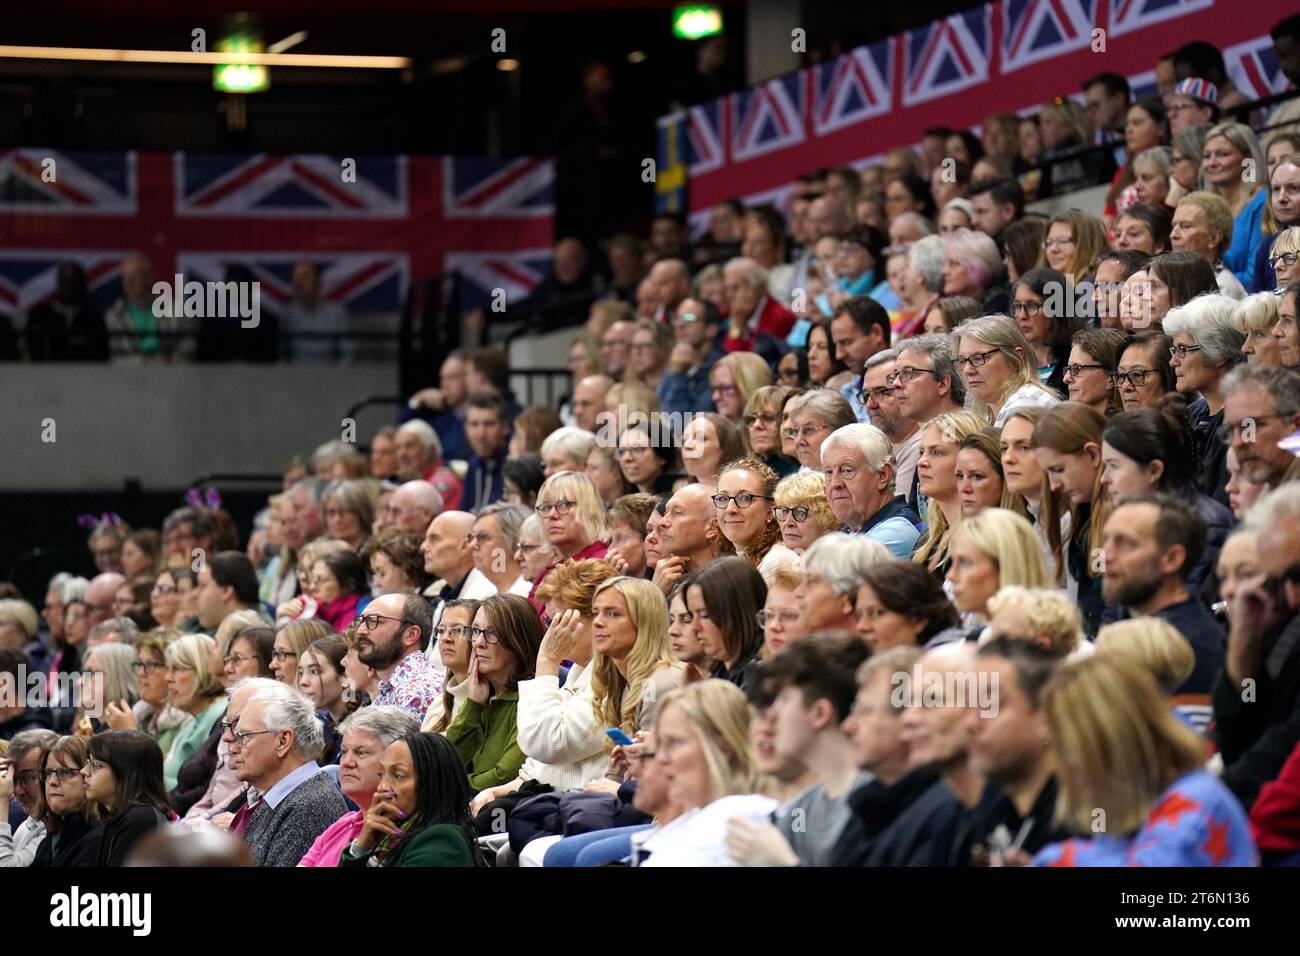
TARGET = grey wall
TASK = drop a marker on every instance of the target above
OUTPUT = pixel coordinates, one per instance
(168, 425)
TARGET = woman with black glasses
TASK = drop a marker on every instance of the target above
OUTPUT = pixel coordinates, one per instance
(1144, 375)
(744, 499)
(505, 636)
(71, 836)
(802, 510)
(124, 779)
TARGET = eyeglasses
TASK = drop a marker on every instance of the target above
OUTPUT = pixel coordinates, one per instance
(335, 512)
(561, 508)
(1286, 258)
(141, 667)
(879, 394)
(1180, 351)
(978, 359)
(807, 431)
(725, 389)
(799, 513)
(787, 618)
(241, 736)
(283, 656)
(742, 500)
(1076, 370)
(527, 548)
(1134, 376)
(371, 621)
(455, 630)
(27, 778)
(751, 420)
(61, 774)
(93, 765)
(622, 450)
(479, 539)
(1025, 308)
(1230, 430)
(238, 659)
(489, 635)
(1057, 243)
(906, 374)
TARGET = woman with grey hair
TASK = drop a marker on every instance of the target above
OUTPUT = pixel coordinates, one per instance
(925, 259)
(366, 734)
(532, 551)
(835, 567)
(349, 511)
(1207, 345)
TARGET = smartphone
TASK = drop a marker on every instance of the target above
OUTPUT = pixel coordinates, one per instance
(620, 738)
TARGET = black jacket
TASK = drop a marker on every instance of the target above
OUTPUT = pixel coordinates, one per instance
(996, 812)
(118, 835)
(1091, 602)
(77, 844)
(875, 806)
(924, 834)
(1256, 728)
(196, 773)
(745, 670)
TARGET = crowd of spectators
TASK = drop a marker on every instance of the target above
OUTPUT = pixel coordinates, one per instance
(911, 530)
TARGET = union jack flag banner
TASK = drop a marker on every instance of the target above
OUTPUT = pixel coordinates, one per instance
(1006, 56)
(371, 224)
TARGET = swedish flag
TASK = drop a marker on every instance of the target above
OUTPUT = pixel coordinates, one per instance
(671, 173)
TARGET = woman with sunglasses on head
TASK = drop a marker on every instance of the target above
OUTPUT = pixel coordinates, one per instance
(745, 494)
(124, 779)
(419, 815)
(61, 804)
(506, 635)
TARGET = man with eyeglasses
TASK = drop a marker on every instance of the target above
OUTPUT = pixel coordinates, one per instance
(880, 399)
(685, 386)
(860, 486)
(20, 778)
(924, 379)
(449, 557)
(392, 639)
(274, 739)
(1261, 406)
(1257, 694)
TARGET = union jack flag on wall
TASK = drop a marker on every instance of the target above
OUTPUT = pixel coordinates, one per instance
(1005, 56)
(371, 224)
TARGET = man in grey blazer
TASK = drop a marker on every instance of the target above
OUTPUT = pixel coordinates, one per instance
(274, 739)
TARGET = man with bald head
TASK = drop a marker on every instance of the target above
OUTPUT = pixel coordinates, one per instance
(687, 531)
(412, 506)
(99, 596)
(449, 557)
(827, 216)
(672, 283)
(589, 401)
(685, 385)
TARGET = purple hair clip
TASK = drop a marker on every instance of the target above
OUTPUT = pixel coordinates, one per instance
(199, 497)
(110, 518)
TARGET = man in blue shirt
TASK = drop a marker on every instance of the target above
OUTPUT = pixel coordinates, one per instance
(859, 467)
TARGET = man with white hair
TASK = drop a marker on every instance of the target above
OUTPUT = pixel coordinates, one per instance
(274, 738)
(1261, 406)
(412, 506)
(859, 467)
(925, 259)
(99, 596)
(751, 310)
(116, 630)
(907, 228)
(419, 454)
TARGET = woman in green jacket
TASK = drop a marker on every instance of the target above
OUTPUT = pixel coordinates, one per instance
(504, 640)
(419, 815)
(193, 688)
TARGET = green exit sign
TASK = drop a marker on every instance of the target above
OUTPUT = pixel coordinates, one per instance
(240, 77)
(694, 22)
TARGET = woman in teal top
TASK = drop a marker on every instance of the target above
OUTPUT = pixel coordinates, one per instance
(194, 689)
(419, 815)
(504, 640)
